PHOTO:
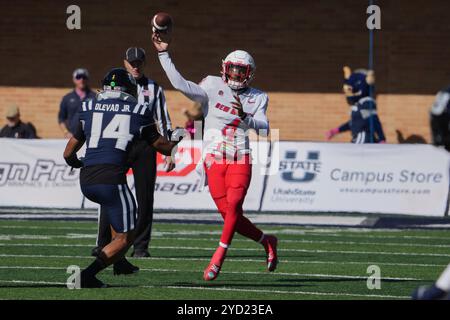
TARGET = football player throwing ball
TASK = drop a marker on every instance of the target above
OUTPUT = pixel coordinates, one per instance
(230, 109)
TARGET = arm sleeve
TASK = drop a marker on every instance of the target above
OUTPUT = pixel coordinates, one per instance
(345, 127)
(190, 89)
(62, 115)
(259, 120)
(161, 113)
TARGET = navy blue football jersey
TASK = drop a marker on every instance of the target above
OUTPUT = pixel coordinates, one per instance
(364, 122)
(110, 122)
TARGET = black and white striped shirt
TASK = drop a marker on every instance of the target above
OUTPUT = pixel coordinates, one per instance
(152, 96)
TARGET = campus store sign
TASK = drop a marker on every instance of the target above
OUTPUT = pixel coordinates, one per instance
(181, 188)
(33, 173)
(329, 177)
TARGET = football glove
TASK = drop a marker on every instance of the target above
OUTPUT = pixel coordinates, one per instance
(177, 135)
(74, 162)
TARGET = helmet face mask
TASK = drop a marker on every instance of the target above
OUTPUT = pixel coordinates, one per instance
(238, 70)
(237, 75)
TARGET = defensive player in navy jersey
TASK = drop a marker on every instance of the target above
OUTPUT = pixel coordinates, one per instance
(108, 124)
(364, 123)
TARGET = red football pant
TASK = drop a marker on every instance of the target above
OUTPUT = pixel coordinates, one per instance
(228, 184)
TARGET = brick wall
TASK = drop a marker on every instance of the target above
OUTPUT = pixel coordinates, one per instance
(298, 45)
(298, 116)
(299, 48)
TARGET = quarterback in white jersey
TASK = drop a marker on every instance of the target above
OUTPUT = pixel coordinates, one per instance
(230, 108)
(229, 113)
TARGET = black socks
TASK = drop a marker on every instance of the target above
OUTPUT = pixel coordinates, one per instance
(95, 267)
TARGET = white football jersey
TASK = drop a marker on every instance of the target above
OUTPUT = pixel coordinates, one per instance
(224, 130)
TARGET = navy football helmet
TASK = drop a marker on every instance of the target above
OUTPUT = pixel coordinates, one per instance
(118, 79)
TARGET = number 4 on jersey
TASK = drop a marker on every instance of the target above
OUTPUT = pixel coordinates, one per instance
(118, 128)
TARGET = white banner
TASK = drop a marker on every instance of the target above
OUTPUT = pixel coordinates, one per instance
(395, 179)
(33, 174)
(308, 177)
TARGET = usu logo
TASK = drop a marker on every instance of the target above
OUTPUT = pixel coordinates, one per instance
(296, 170)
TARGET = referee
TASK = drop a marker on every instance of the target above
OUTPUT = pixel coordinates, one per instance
(142, 158)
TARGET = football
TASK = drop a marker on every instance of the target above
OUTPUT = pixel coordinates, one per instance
(162, 22)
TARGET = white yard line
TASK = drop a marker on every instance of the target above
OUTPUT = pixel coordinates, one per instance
(377, 237)
(45, 227)
(316, 251)
(319, 241)
(329, 232)
(236, 260)
(241, 249)
(291, 274)
(50, 256)
(9, 237)
(32, 282)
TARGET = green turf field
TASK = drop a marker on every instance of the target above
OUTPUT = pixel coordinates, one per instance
(329, 263)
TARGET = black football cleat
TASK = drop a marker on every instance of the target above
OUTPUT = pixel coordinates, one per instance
(140, 254)
(88, 281)
(124, 267)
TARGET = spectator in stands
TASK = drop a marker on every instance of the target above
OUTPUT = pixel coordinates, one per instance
(71, 102)
(15, 128)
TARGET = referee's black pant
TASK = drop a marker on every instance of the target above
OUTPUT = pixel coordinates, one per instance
(142, 159)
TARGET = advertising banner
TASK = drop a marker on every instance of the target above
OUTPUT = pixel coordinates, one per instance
(33, 173)
(302, 176)
(396, 179)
